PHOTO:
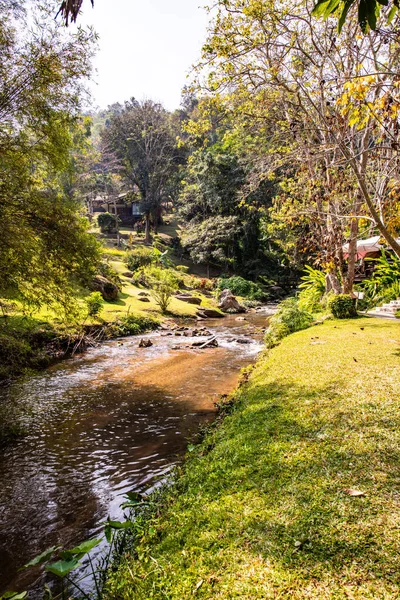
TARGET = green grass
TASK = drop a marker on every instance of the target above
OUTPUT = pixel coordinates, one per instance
(261, 510)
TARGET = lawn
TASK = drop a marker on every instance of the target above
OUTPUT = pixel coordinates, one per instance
(264, 507)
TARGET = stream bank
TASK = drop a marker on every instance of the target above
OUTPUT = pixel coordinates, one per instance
(113, 420)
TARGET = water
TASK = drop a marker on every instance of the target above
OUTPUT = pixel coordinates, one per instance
(113, 420)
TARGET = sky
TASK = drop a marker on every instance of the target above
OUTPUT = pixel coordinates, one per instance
(146, 48)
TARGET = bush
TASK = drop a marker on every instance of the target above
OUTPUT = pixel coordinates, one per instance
(107, 222)
(163, 284)
(142, 256)
(202, 284)
(182, 268)
(133, 325)
(343, 306)
(94, 304)
(241, 287)
(288, 319)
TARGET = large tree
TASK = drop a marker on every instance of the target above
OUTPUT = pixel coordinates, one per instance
(45, 249)
(324, 104)
(142, 140)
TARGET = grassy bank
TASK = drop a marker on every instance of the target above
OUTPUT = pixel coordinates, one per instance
(264, 507)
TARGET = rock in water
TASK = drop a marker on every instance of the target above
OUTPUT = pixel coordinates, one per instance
(145, 343)
(228, 303)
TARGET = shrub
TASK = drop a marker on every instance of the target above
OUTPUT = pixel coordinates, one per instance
(133, 325)
(202, 284)
(182, 268)
(163, 284)
(288, 319)
(94, 304)
(343, 306)
(241, 287)
(107, 222)
(142, 256)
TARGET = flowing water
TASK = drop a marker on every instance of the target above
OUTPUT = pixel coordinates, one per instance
(113, 420)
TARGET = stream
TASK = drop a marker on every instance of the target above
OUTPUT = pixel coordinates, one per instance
(113, 420)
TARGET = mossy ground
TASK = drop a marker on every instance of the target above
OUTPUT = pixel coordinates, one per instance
(262, 508)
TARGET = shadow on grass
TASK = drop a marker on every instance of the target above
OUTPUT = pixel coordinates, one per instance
(275, 483)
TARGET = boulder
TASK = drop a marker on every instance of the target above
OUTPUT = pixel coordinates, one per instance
(210, 313)
(143, 299)
(228, 303)
(107, 288)
(145, 343)
(128, 274)
(188, 299)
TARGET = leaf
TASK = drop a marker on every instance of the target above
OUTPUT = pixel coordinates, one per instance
(14, 596)
(41, 558)
(391, 14)
(134, 496)
(320, 9)
(119, 524)
(80, 550)
(367, 14)
(355, 493)
(343, 14)
(61, 568)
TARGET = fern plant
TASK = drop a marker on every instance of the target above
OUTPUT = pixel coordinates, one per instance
(312, 289)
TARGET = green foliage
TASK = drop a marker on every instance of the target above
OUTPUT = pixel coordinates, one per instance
(384, 285)
(107, 271)
(210, 242)
(107, 222)
(45, 247)
(288, 319)
(241, 287)
(163, 283)
(313, 288)
(143, 256)
(94, 304)
(202, 283)
(131, 325)
(368, 12)
(182, 269)
(343, 306)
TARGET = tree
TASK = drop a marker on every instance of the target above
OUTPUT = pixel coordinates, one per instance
(45, 247)
(163, 284)
(143, 139)
(318, 111)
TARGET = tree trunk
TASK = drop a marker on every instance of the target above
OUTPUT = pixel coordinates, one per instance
(333, 283)
(352, 258)
(147, 239)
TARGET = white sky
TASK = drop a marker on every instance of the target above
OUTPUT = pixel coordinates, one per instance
(146, 48)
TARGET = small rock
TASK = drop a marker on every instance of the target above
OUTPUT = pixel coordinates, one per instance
(243, 341)
(143, 299)
(145, 343)
(143, 294)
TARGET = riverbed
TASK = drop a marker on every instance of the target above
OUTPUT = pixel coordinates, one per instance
(113, 420)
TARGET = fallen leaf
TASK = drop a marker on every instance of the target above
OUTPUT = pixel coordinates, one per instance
(351, 492)
(198, 586)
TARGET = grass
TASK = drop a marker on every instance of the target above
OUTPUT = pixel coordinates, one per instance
(261, 508)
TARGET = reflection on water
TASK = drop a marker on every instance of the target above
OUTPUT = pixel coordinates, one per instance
(113, 420)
